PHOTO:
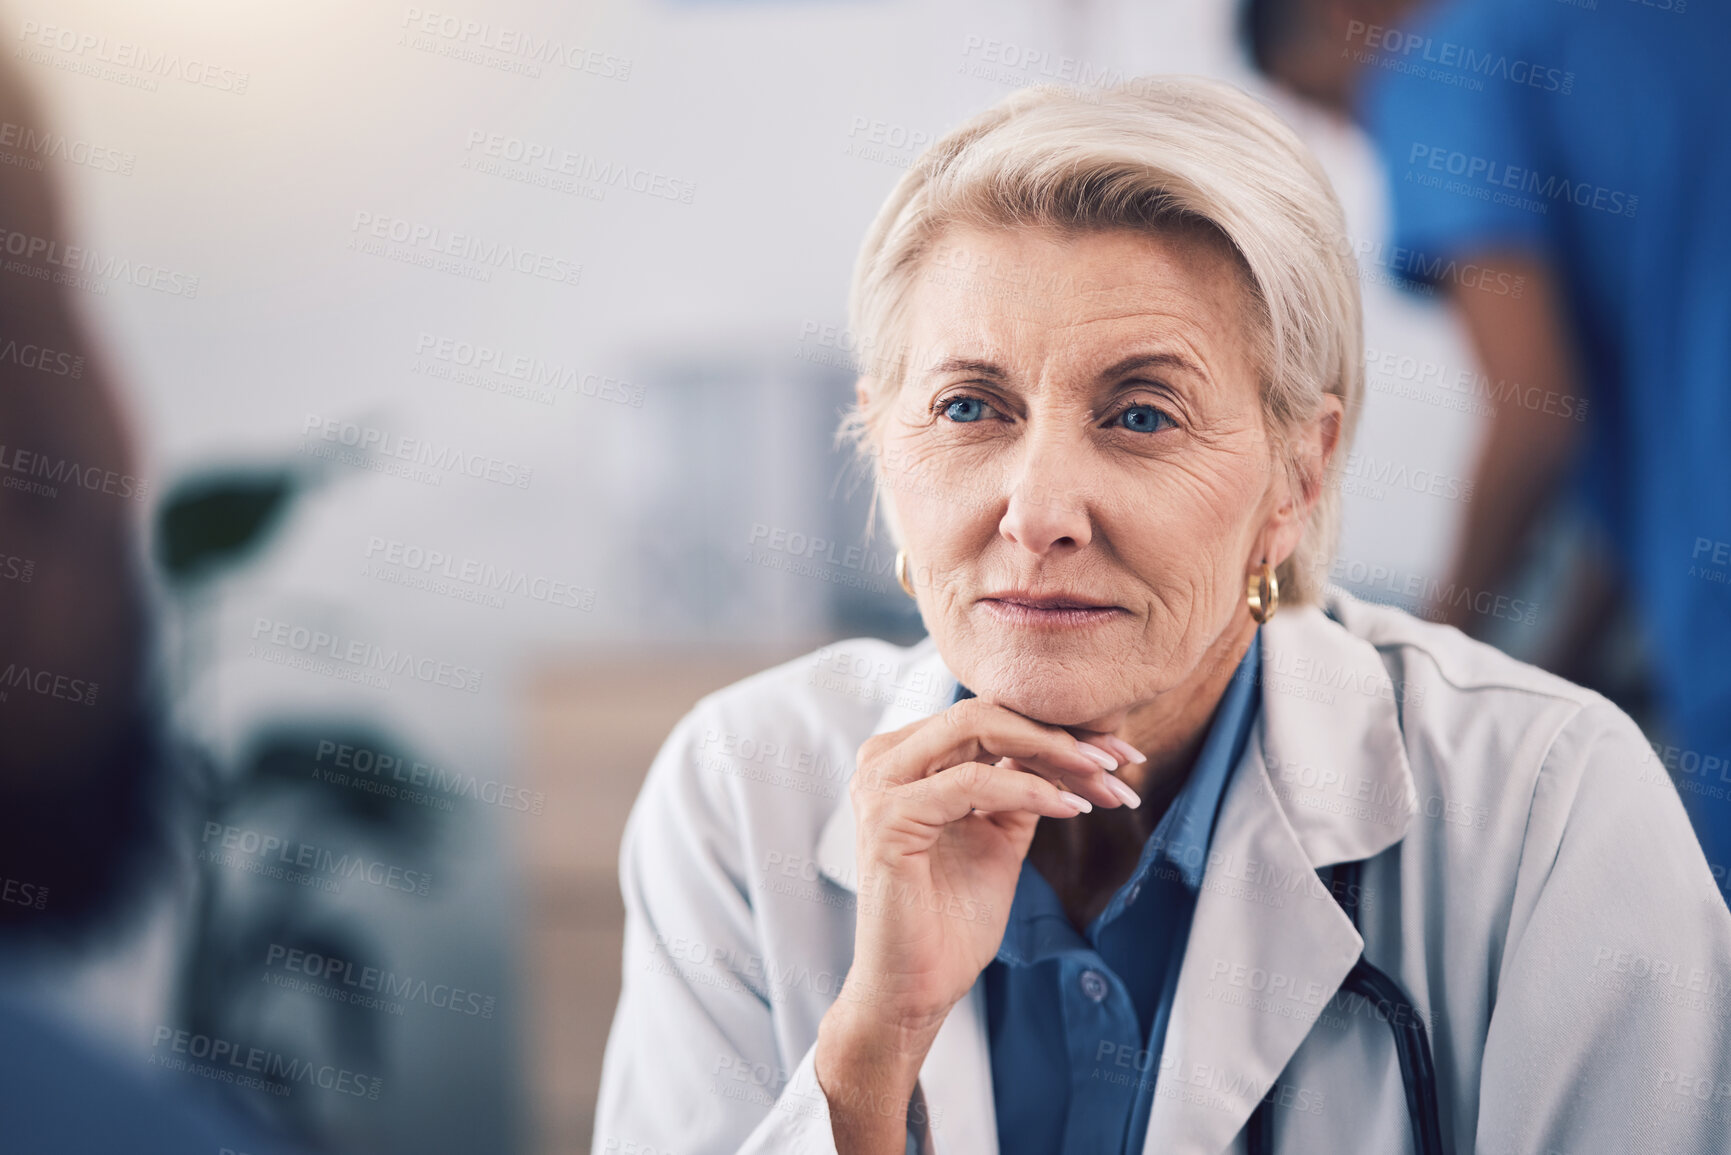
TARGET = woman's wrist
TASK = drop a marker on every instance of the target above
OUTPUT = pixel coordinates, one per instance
(863, 1037)
(867, 1067)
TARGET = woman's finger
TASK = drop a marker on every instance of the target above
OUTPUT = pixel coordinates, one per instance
(952, 794)
(972, 729)
(1098, 787)
(1112, 744)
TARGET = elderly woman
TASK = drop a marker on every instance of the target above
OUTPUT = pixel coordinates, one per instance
(1154, 844)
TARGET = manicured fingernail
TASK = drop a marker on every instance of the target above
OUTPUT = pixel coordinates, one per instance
(1123, 749)
(1076, 800)
(1106, 761)
(1123, 791)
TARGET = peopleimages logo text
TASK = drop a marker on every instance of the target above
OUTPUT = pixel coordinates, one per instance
(419, 450)
(365, 655)
(95, 48)
(227, 1058)
(57, 471)
(280, 854)
(80, 259)
(437, 241)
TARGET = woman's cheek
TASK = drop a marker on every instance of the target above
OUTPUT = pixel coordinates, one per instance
(940, 493)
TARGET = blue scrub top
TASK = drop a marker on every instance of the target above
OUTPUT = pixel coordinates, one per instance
(1598, 135)
(1076, 1022)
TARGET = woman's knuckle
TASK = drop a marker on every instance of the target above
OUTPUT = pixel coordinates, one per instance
(865, 790)
(957, 716)
(972, 775)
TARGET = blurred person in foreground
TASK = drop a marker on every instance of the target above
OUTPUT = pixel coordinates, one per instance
(1155, 843)
(82, 773)
(1580, 154)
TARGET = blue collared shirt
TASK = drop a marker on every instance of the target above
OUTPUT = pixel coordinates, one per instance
(1077, 1022)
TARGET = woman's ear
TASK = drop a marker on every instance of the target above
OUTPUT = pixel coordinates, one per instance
(1330, 421)
(1312, 447)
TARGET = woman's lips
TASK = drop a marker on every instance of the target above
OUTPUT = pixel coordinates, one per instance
(1051, 612)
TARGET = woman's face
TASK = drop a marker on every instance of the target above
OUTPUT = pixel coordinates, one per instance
(1078, 465)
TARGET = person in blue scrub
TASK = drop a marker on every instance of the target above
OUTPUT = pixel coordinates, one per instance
(1560, 171)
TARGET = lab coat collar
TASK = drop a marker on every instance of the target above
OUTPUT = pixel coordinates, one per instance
(1324, 780)
(1334, 754)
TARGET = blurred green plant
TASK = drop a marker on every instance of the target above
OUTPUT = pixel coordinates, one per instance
(208, 527)
(217, 521)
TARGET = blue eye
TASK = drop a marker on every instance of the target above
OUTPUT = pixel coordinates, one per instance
(965, 409)
(1144, 419)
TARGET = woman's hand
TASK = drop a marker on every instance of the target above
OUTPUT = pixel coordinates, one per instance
(945, 811)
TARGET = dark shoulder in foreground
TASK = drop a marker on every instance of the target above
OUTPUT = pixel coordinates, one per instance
(63, 1093)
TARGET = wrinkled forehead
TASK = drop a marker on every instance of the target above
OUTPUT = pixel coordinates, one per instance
(1041, 293)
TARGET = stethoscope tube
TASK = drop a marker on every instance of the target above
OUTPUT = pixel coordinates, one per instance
(1411, 1040)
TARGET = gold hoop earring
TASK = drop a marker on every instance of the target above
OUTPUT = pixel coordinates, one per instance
(1262, 592)
(902, 571)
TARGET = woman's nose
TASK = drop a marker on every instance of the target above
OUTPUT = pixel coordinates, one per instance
(1047, 508)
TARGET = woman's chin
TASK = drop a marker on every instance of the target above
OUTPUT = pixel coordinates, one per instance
(1057, 698)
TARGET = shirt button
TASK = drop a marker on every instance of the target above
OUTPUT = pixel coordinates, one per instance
(1094, 985)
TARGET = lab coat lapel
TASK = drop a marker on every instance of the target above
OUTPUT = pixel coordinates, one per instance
(956, 1076)
(1269, 945)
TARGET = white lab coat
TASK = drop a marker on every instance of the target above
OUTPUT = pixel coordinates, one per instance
(1532, 882)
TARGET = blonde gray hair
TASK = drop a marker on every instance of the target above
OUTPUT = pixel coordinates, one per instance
(1153, 154)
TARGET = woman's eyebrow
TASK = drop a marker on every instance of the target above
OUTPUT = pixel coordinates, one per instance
(1161, 360)
(967, 365)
